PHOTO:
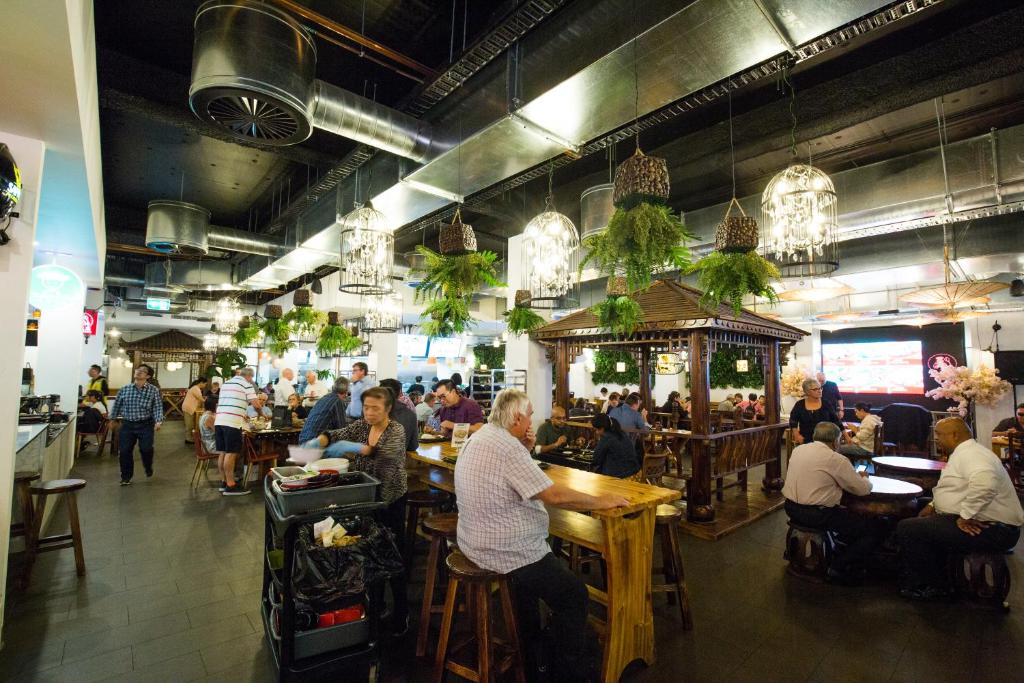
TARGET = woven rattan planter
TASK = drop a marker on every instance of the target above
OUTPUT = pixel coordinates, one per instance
(523, 297)
(302, 298)
(333, 318)
(640, 178)
(736, 234)
(244, 322)
(272, 312)
(617, 286)
(457, 238)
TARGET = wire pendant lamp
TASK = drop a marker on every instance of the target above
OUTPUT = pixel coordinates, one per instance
(551, 250)
(227, 315)
(382, 313)
(367, 252)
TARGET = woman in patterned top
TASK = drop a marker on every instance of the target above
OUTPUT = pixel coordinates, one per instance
(376, 445)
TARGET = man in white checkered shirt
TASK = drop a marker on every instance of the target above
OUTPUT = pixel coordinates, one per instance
(503, 527)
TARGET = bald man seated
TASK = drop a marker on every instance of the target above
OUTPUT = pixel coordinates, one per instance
(555, 433)
(975, 509)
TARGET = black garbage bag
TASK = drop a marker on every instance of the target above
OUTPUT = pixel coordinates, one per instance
(329, 577)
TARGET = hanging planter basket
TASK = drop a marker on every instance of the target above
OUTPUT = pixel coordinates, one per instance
(302, 298)
(736, 234)
(244, 322)
(333, 318)
(639, 179)
(273, 312)
(617, 286)
(523, 297)
(457, 238)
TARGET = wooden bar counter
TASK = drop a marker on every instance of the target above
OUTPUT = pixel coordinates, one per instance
(623, 536)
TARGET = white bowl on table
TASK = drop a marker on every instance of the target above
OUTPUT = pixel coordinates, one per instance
(339, 465)
(304, 456)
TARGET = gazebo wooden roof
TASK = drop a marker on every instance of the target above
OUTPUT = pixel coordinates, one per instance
(669, 306)
(169, 341)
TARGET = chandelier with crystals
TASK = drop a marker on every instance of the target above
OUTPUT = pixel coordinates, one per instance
(367, 252)
(227, 315)
(382, 312)
(211, 341)
(551, 250)
(800, 218)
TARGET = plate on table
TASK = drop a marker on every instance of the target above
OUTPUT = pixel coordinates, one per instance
(431, 438)
(336, 464)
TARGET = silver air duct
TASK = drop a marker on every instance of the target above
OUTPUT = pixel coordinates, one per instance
(182, 276)
(177, 228)
(596, 209)
(253, 71)
(230, 239)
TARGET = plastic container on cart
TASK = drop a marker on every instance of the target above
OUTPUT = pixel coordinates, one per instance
(352, 488)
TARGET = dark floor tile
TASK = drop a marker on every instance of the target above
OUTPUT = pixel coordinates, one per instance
(83, 647)
(187, 667)
(98, 668)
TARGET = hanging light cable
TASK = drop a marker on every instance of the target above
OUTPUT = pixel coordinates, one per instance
(551, 250)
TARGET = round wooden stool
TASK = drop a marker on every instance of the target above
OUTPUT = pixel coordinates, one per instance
(982, 577)
(24, 500)
(38, 544)
(441, 529)
(415, 503)
(489, 664)
(666, 520)
(809, 552)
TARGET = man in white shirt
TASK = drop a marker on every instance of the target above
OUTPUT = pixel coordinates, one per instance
(315, 390)
(503, 527)
(974, 509)
(284, 387)
(815, 481)
(860, 444)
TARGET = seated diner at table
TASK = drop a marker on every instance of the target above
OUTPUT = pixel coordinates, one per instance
(814, 486)
(759, 406)
(859, 443)
(613, 402)
(631, 415)
(581, 408)
(456, 409)
(402, 414)
(554, 433)
(614, 455)
(808, 412)
(259, 408)
(974, 508)
(425, 408)
(726, 405)
(296, 409)
(1011, 424)
(328, 413)
(93, 412)
(205, 420)
(376, 444)
(674, 403)
(503, 527)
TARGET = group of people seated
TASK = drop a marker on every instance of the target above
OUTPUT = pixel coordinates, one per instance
(974, 507)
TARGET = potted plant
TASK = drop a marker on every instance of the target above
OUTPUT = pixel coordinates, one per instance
(277, 334)
(336, 340)
(247, 336)
(619, 313)
(305, 321)
(225, 363)
(448, 284)
(522, 320)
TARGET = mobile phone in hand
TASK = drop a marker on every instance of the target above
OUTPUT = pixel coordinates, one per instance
(862, 468)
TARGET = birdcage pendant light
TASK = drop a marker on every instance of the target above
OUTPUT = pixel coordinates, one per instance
(367, 252)
(551, 251)
(800, 218)
(227, 315)
(382, 313)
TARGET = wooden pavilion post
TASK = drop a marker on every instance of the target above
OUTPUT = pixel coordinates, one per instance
(773, 400)
(562, 373)
(698, 495)
(645, 378)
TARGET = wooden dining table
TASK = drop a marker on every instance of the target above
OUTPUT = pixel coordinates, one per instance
(269, 445)
(888, 498)
(921, 471)
(624, 537)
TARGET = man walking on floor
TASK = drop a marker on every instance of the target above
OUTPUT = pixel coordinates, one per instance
(140, 407)
(236, 395)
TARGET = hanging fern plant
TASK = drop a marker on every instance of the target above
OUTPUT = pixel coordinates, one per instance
(728, 277)
(277, 333)
(620, 315)
(522, 320)
(246, 336)
(448, 284)
(304, 320)
(336, 340)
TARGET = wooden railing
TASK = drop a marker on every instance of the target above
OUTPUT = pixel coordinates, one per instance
(743, 449)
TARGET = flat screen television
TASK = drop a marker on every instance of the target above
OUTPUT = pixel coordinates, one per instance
(446, 347)
(413, 345)
(879, 367)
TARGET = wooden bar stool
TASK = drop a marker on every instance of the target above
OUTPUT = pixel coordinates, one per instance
(441, 529)
(666, 520)
(809, 552)
(24, 499)
(982, 577)
(415, 503)
(42, 491)
(488, 664)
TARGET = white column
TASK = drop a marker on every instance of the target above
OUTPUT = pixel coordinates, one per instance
(15, 267)
(523, 354)
(59, 354)
(383, 358)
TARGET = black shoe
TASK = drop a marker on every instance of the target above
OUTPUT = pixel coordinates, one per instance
(223, 486)
(126, 482)
(236, 490)
(925, 593)
(149, 472)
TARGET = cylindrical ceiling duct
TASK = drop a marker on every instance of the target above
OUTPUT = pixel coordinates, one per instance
(230, 239)
(596, 209)
(189, 275)
(174, 227)
(253, 68)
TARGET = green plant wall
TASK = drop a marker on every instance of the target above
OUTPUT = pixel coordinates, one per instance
(605, 372)
(486, 354)
(724, 374)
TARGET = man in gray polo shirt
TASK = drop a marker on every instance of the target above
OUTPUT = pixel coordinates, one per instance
(503, 527)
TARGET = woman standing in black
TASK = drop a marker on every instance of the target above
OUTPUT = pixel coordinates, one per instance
(809, 411)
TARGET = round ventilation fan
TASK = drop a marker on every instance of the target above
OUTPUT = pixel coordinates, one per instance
(255, 116)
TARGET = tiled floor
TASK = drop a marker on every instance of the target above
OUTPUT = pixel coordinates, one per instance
(172, 594)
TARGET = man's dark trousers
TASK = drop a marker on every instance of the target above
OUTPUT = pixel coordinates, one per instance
(142, 432)
(926, 542)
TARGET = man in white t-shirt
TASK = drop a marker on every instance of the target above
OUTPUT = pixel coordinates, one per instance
(236, 395)
(315, 390)
(284, 387)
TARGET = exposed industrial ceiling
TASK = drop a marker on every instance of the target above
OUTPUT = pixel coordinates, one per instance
(870, 99)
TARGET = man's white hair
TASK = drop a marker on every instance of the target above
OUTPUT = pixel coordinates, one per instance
(508, 405)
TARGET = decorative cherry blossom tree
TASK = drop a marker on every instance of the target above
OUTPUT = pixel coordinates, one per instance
(958, 383)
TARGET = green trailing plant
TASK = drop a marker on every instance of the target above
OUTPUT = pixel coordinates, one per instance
(324, 375)
(336, 340)
(280, 347)
(605, 361)
(305, 321)
(449, 283)
(225, 363)
(638, 243)
(485, 354)
(246, 336)
(522, 320)
(620, 315)
(724, 375)
(729, 277)
(276, 334)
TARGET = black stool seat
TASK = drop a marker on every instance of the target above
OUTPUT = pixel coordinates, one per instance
(809, 552)
(982, 577)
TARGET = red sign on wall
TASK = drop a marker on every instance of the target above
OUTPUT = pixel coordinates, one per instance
(89, 320)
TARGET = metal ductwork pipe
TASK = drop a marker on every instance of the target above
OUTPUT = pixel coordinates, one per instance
(122, 281)
(230, 239)
(174, 227)
(253, 74)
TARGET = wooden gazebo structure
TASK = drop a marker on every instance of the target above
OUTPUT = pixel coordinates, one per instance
(674, 321)
(171, 346)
